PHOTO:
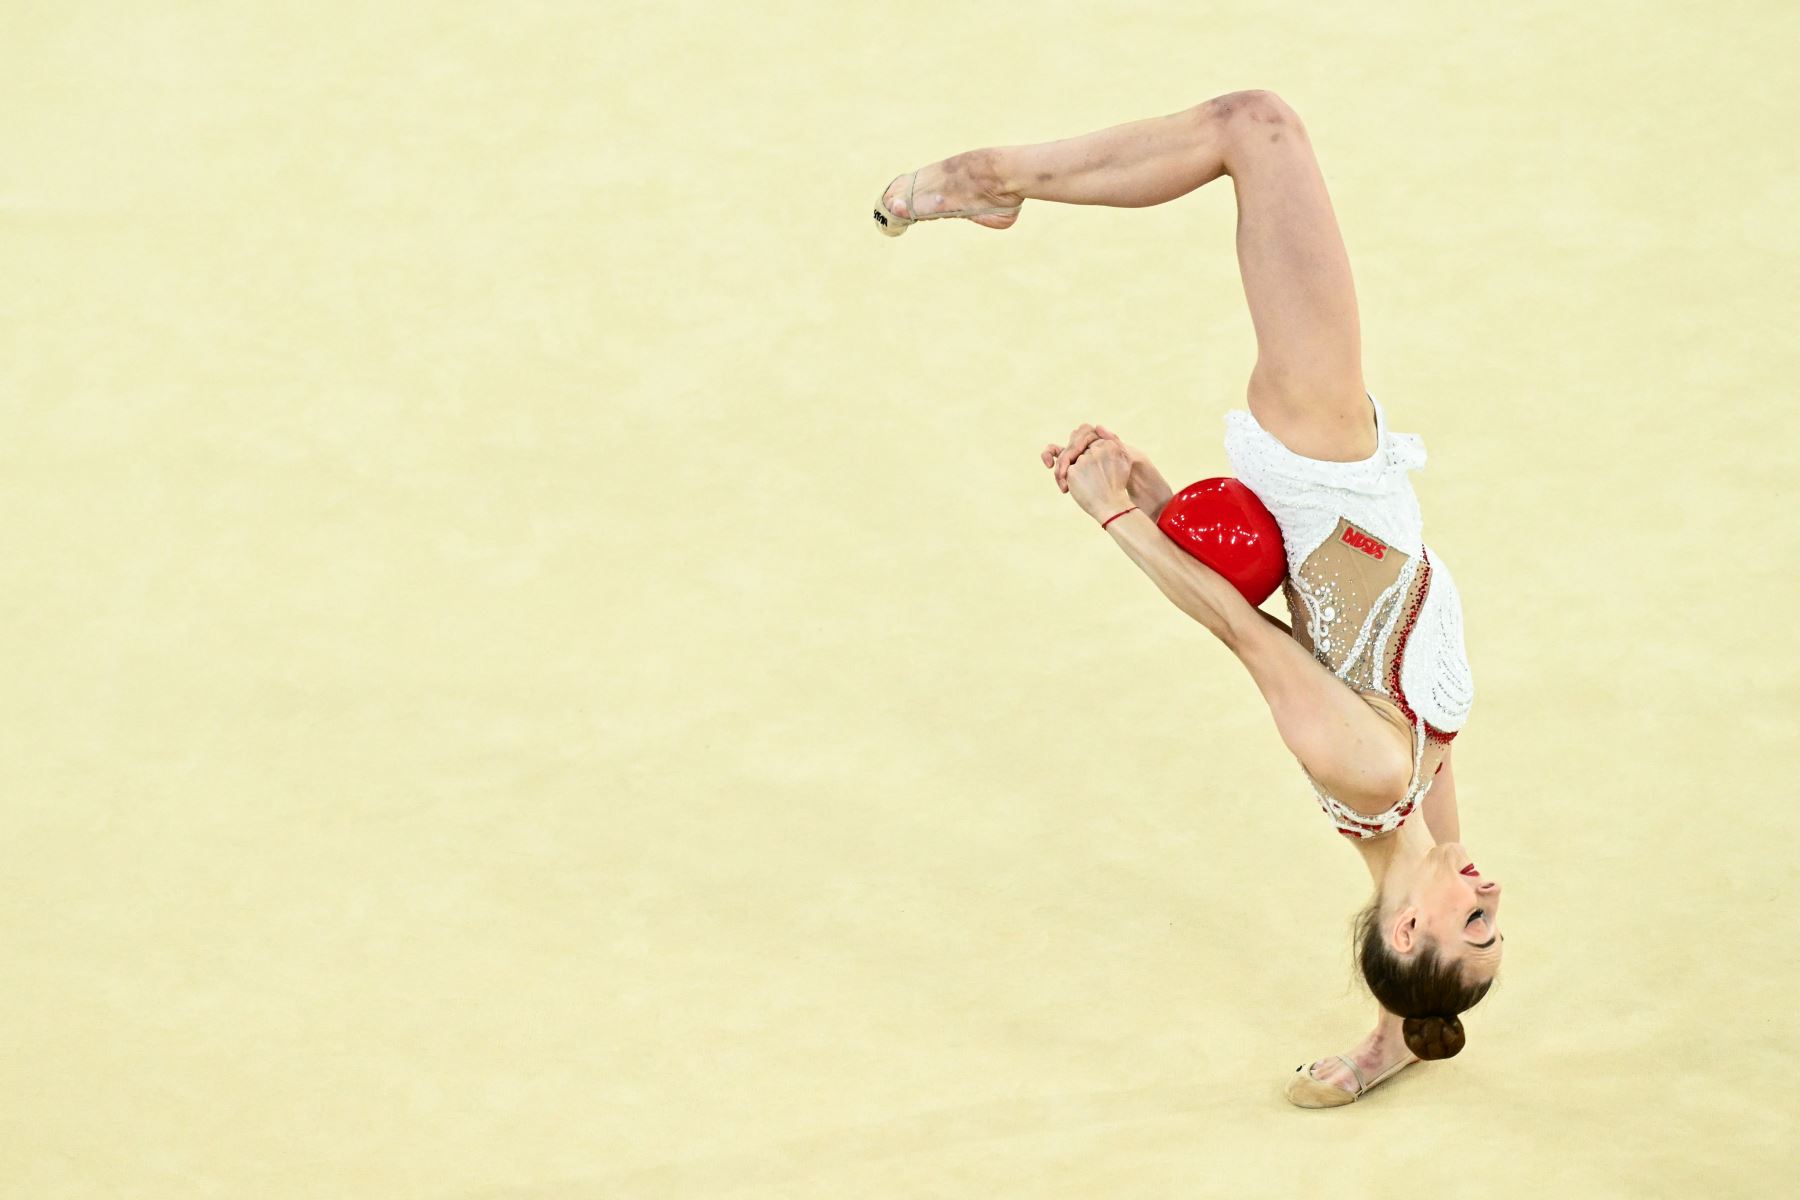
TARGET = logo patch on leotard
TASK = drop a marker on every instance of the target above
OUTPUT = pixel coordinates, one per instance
(1362, 541)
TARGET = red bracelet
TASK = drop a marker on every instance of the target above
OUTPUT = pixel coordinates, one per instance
(1115, 516)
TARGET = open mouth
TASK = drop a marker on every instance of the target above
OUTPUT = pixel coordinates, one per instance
(1469, 870)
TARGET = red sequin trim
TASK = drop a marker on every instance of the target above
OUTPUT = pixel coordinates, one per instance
(1412, 618)
(1364, 829)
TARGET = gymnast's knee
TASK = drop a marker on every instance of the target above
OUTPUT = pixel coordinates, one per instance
(1256, 109)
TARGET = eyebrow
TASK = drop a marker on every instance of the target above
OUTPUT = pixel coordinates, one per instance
(1484, 945)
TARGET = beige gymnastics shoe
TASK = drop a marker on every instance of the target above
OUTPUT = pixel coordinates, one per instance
(1309, 1091)
(893, 224)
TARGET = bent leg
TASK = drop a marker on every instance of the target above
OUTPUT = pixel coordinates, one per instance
(1307, 387)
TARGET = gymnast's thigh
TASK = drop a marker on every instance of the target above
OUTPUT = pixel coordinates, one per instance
(1307, 387)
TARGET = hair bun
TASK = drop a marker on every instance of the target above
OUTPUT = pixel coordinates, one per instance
(1433, 1037)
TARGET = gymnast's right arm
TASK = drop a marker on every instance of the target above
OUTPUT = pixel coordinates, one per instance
(1147, 487)
(1151, 493)
(1100, 476)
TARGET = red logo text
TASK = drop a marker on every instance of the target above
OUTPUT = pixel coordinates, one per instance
(1365, 543)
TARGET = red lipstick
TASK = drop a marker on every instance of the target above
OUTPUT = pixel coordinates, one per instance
(1469, 870)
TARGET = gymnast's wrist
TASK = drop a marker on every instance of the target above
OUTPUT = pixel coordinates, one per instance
(1109, 515)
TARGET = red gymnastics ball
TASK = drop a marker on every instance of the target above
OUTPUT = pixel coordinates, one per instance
(1223, 524)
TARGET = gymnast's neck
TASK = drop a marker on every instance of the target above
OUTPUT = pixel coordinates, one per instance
(1400, 849)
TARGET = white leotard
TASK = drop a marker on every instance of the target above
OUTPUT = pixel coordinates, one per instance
(1366, 596)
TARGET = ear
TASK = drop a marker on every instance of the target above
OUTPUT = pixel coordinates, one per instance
(1406, 930)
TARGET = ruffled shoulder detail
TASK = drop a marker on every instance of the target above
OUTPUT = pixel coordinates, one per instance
(1406, 451)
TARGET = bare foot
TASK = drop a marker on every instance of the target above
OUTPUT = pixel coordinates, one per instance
(965, 181)
(1373, 1055)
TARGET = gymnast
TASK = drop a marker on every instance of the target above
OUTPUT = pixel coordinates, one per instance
(1371, 683)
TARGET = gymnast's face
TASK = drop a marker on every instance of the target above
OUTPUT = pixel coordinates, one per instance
(1459, 908)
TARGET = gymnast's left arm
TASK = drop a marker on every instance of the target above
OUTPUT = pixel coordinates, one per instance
(1194, 587)
(1097, 481)
(1145, 484)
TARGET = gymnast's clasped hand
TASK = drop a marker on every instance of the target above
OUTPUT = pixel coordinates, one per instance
(1095, 468)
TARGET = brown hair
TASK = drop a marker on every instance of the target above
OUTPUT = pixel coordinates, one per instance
(1425, 990)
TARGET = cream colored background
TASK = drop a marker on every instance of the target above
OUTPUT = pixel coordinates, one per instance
(542, 662)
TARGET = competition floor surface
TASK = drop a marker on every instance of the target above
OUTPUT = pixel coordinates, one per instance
(542, 663)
